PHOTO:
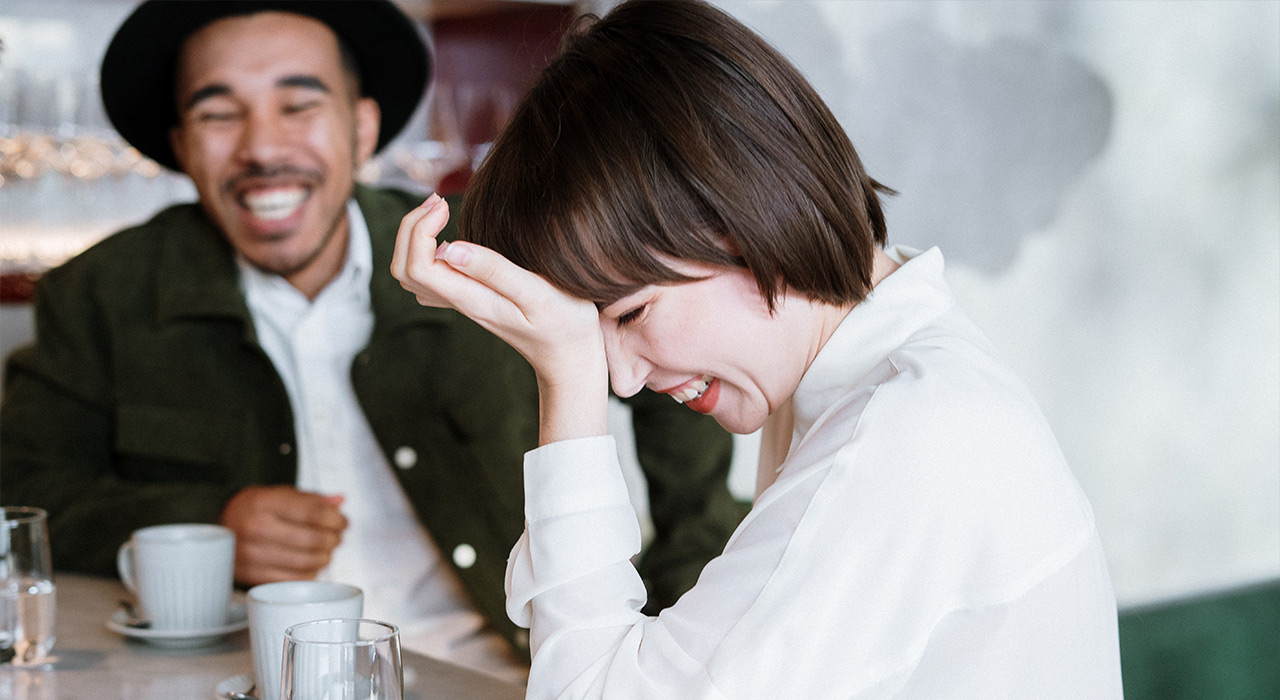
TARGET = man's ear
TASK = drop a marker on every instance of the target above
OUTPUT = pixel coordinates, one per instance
(368, 123)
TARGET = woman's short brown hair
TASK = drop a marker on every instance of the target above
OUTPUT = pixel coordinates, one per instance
(667, 130)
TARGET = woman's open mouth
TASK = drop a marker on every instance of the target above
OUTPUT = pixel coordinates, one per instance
(700, 394)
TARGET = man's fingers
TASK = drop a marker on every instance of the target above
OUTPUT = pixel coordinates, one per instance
(264, 562)
(312, 511)
(281, 531)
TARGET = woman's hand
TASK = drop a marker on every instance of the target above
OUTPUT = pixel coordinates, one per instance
(558, 334)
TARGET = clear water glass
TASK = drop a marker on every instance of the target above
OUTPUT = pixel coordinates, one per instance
(27, 594)
(342, 659)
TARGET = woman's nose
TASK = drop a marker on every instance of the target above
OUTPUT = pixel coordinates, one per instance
(628, 371)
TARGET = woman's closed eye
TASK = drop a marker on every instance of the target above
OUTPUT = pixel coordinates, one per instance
(631, 316)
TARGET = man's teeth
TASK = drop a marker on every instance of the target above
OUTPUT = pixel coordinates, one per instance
(692, 391)
(272, 205)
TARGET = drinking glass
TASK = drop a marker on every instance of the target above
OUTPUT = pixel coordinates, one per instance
(342, 659)
(26, 587)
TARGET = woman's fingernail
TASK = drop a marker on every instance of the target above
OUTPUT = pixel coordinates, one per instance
(455, 255)
(444, 245)
(432, 201)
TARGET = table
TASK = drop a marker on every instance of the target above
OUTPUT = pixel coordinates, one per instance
(92, 662)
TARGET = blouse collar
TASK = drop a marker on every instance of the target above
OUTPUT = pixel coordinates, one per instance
(896, 308)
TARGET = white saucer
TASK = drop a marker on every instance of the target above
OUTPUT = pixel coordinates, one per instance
(235, 687)
(237, 619)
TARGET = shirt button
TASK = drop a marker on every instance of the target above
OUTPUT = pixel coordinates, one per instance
(405, 457)
(464, 555)
(285, 448)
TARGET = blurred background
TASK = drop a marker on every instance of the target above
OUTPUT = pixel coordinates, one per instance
(1102, 177)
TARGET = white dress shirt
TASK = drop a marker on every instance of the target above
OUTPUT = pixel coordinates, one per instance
(385, 550)
(923, 538)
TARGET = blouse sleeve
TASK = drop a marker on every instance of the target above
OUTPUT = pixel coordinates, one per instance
(570, 579)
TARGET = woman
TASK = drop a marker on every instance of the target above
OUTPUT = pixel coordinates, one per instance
(674, 208)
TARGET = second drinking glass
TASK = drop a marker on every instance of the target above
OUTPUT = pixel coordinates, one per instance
(342, 660)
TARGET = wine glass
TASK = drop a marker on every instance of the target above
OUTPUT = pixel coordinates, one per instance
(428, 161)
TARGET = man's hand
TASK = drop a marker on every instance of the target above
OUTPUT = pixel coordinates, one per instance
(282, 534)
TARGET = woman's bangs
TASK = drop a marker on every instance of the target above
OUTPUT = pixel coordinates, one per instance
(602, 261)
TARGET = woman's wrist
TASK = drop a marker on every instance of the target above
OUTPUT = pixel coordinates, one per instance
(574, 402)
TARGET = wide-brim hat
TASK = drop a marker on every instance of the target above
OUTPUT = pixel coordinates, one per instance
(138, 76)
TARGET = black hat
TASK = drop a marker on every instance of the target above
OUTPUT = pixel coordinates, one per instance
(138, 69)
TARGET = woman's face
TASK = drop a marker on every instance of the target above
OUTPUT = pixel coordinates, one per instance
(712, 344)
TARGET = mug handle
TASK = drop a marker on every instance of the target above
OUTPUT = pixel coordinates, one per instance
(124, 563)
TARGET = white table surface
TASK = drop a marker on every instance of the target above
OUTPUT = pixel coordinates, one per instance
(95, 663)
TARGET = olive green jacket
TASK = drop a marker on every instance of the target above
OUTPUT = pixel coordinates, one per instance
(147, 399)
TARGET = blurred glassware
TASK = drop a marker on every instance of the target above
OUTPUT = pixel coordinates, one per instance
(444, 149)
(53, 123)
(27, 594)
(485, 109)
(342, 660)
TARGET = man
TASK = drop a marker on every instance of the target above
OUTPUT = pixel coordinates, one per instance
(250, 361)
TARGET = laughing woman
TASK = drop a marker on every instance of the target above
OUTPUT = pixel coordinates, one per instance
(673, 208)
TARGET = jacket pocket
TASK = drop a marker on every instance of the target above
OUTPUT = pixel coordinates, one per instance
(160, 434)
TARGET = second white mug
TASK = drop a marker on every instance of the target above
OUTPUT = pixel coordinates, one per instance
(275, 607)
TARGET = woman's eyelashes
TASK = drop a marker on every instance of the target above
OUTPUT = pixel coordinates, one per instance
(631, 316)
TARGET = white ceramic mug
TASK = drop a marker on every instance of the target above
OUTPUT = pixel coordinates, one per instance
(275, 607)
(181, 574)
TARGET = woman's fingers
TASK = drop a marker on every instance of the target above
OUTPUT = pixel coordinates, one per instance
(415, 249)
(494, 271)
(547, 326)
(399, 256)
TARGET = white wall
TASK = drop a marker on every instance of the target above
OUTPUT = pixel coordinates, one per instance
(1104, 179)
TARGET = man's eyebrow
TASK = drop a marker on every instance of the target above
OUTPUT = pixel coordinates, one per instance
(205, 93)
(303, 81)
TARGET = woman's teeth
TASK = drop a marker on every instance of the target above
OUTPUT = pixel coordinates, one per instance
(272, 205)
(692, 391)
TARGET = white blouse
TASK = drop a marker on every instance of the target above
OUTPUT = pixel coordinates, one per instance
(923, 538)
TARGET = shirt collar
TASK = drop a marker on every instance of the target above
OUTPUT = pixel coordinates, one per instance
(895, 309)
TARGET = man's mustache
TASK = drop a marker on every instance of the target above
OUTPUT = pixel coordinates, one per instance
(256, 172)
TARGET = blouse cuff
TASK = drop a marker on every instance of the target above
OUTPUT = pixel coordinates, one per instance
(573, 476)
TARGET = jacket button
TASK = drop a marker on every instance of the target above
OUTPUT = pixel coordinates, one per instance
(285, 448)
(405, 457)
(522, 639)
(464, 555)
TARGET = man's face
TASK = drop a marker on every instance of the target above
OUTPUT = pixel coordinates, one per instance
(271, 132)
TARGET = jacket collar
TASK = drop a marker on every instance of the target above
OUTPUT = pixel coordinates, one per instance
(196, 274)
(393, 306)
